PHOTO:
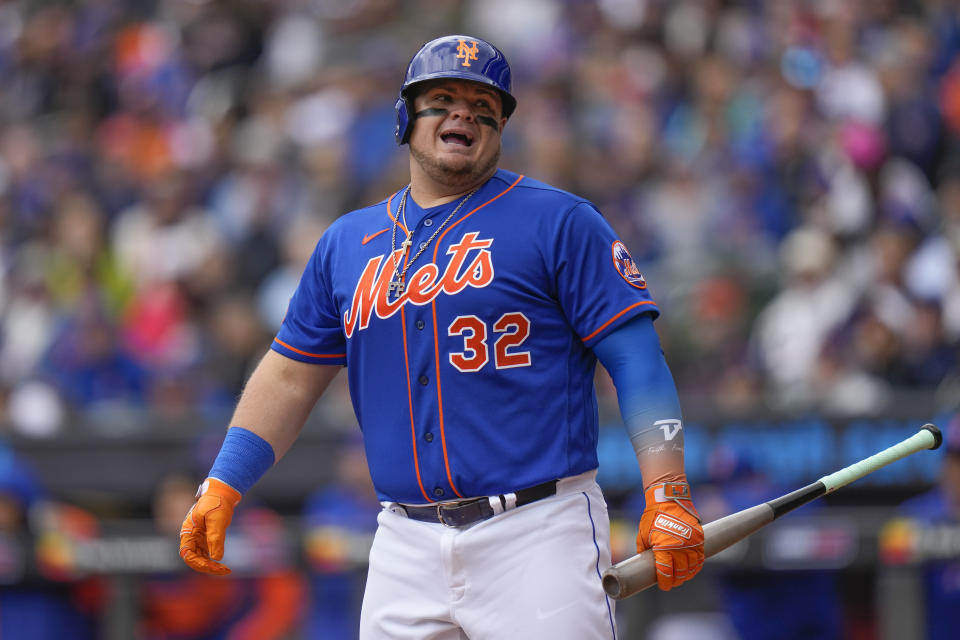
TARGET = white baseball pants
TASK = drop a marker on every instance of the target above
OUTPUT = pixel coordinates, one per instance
(532, 572)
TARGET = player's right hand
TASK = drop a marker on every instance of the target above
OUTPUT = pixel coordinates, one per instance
(205, 527)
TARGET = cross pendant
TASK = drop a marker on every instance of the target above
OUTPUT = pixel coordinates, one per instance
(406, 243)
(396, 286)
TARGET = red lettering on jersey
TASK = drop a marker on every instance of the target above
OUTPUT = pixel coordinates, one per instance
(480, 271)
(371, 289)
(423, 286)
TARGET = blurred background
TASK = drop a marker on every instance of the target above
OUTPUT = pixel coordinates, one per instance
(786, 174)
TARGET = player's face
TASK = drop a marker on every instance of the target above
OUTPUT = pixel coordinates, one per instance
(456, 130)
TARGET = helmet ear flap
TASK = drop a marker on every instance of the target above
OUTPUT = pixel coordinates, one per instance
(402, 132)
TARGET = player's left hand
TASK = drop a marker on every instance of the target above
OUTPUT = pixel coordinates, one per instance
(670, 525)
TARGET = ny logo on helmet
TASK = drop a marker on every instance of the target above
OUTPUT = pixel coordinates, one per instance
(467, 53)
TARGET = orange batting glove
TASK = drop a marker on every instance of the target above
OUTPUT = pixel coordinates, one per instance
(670, 525)
(205, 527)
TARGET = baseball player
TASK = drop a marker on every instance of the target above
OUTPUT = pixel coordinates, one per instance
(470, 309)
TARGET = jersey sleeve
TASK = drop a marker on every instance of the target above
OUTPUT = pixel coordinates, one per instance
(597, 282)
(311, 330)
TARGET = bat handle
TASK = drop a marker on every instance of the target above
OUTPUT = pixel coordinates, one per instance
(929, 437)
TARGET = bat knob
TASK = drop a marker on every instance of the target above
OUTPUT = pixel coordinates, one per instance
(937, 436)
(611, 585)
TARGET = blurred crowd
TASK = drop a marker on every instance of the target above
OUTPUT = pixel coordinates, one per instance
(787, 174)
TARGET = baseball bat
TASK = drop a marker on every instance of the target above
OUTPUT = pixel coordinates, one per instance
(637, 573)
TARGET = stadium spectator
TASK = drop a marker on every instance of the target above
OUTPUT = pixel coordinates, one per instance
(54, 604)
(265, 604)
(938, 507)
(792, 330)
(339, 522)
(799, 603)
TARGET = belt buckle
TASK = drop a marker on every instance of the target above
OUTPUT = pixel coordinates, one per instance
(440, 517)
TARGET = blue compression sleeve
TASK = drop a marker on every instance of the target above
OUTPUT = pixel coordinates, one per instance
(634, 359)
(647, 395)
(243, 459)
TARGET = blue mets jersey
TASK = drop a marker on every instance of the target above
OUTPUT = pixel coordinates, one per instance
(478, 378)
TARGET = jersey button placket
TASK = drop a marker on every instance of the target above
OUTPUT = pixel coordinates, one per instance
(423, 380)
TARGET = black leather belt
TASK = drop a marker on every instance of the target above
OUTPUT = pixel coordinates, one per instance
(464, 512)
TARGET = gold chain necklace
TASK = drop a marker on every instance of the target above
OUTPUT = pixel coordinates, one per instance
(397, 285)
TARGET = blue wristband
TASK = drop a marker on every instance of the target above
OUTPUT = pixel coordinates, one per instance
(243, 459)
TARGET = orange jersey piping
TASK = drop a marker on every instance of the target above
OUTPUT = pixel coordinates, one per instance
(608, 322)
(390, 213)
(312, 355)
(413, 424)
(406, 366)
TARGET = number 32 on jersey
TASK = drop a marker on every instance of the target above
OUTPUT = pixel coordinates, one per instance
(511, 329)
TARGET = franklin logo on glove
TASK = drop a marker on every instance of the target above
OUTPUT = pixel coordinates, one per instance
(668, 524)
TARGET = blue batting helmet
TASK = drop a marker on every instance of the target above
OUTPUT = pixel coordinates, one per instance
(460, 57)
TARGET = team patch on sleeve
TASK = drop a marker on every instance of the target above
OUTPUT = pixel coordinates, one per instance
(626, 267)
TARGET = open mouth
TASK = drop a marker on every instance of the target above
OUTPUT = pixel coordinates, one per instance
(454, 137)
